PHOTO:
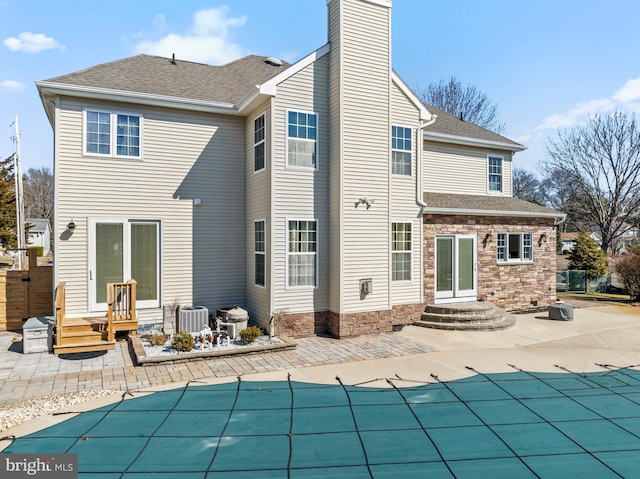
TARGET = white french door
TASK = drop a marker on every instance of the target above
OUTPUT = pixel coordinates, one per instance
(120, 250)
(456, 266)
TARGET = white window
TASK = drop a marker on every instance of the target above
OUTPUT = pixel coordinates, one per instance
(112, 134)
(515, 247)
(302, 133)
(401, 150)
(401, 251)
(123, 249)
(259, 143)
(495, 173)
(302, 253)
(260, 252)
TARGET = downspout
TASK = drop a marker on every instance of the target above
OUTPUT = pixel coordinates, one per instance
(419, 200)
(419, 144)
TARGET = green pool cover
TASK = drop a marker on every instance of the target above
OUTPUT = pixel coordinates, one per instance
(514, 425)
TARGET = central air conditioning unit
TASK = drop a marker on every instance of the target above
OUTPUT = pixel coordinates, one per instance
(193, 319)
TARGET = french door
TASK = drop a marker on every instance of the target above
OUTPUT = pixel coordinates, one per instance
(456, 267)
(120, 250)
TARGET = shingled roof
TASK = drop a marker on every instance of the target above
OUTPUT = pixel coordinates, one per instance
(443, 203)
(449, 124)
(159, 76)
(154, 75)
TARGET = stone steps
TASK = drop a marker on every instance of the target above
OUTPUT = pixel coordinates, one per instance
(466, 316)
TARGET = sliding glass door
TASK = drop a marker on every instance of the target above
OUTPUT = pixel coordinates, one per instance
(456, 267)
(120, 250)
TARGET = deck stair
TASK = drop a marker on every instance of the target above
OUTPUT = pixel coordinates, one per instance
(466, 316)
(82, 335)
(74, 335)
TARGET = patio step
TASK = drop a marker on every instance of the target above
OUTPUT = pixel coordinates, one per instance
(84, 346)
(82, 335)
(466, 316)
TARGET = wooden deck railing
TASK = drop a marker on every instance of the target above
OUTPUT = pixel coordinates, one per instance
(60, 311)
(121, 313)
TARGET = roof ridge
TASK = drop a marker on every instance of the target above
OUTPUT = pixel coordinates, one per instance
(237, 60)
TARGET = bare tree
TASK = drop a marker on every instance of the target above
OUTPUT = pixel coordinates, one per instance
(38, 193)
(466, 102)
(599, 164)
(556, 195)
(526, 186)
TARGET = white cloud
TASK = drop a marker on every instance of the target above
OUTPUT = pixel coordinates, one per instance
(32, 43)
(626, 98)
(207, 40)
(629, 92)
(11, 85)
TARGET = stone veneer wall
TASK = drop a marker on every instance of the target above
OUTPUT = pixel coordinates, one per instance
(302, 325)
(510, 286)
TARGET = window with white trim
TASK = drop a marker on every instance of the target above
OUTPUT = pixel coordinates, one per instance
(401, 251)
(495, 173)
(260, 252)
(112, 134)
(302, 253)
(515, 247)
(302, 133)
(401, 150)
(259, 143)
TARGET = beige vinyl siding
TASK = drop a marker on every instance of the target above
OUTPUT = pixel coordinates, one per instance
(365, 72)
(460, 169)
(404, 207)
(335, 153)
(301, 193)
(258, 208)
(202, 247)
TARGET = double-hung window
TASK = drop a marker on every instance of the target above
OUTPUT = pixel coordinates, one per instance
(515, 247)
(495, 173)
(112, 134)
(259, 143)
(401, 150)
(302, 253)
(302, 133)
(260, 252)
(401, 251)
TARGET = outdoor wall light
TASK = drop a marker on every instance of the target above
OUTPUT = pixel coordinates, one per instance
(365, 200)
(71, 227)
(488, 236)
(543, 238)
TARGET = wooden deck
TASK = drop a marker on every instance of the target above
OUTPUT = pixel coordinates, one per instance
(75, 335)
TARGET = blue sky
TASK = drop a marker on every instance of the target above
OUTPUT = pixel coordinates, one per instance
(546, 63)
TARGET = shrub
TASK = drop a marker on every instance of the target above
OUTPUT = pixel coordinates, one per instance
(633, 248)
(250, 334)
(158, 339)
(183, 342)
(628, 269)
(587, 255)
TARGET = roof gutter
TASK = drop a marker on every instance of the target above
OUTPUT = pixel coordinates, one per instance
(420, 135)
(465, 140)
(141, 98)
(529, 214)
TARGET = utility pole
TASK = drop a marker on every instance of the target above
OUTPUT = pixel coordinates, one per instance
(17, 170)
